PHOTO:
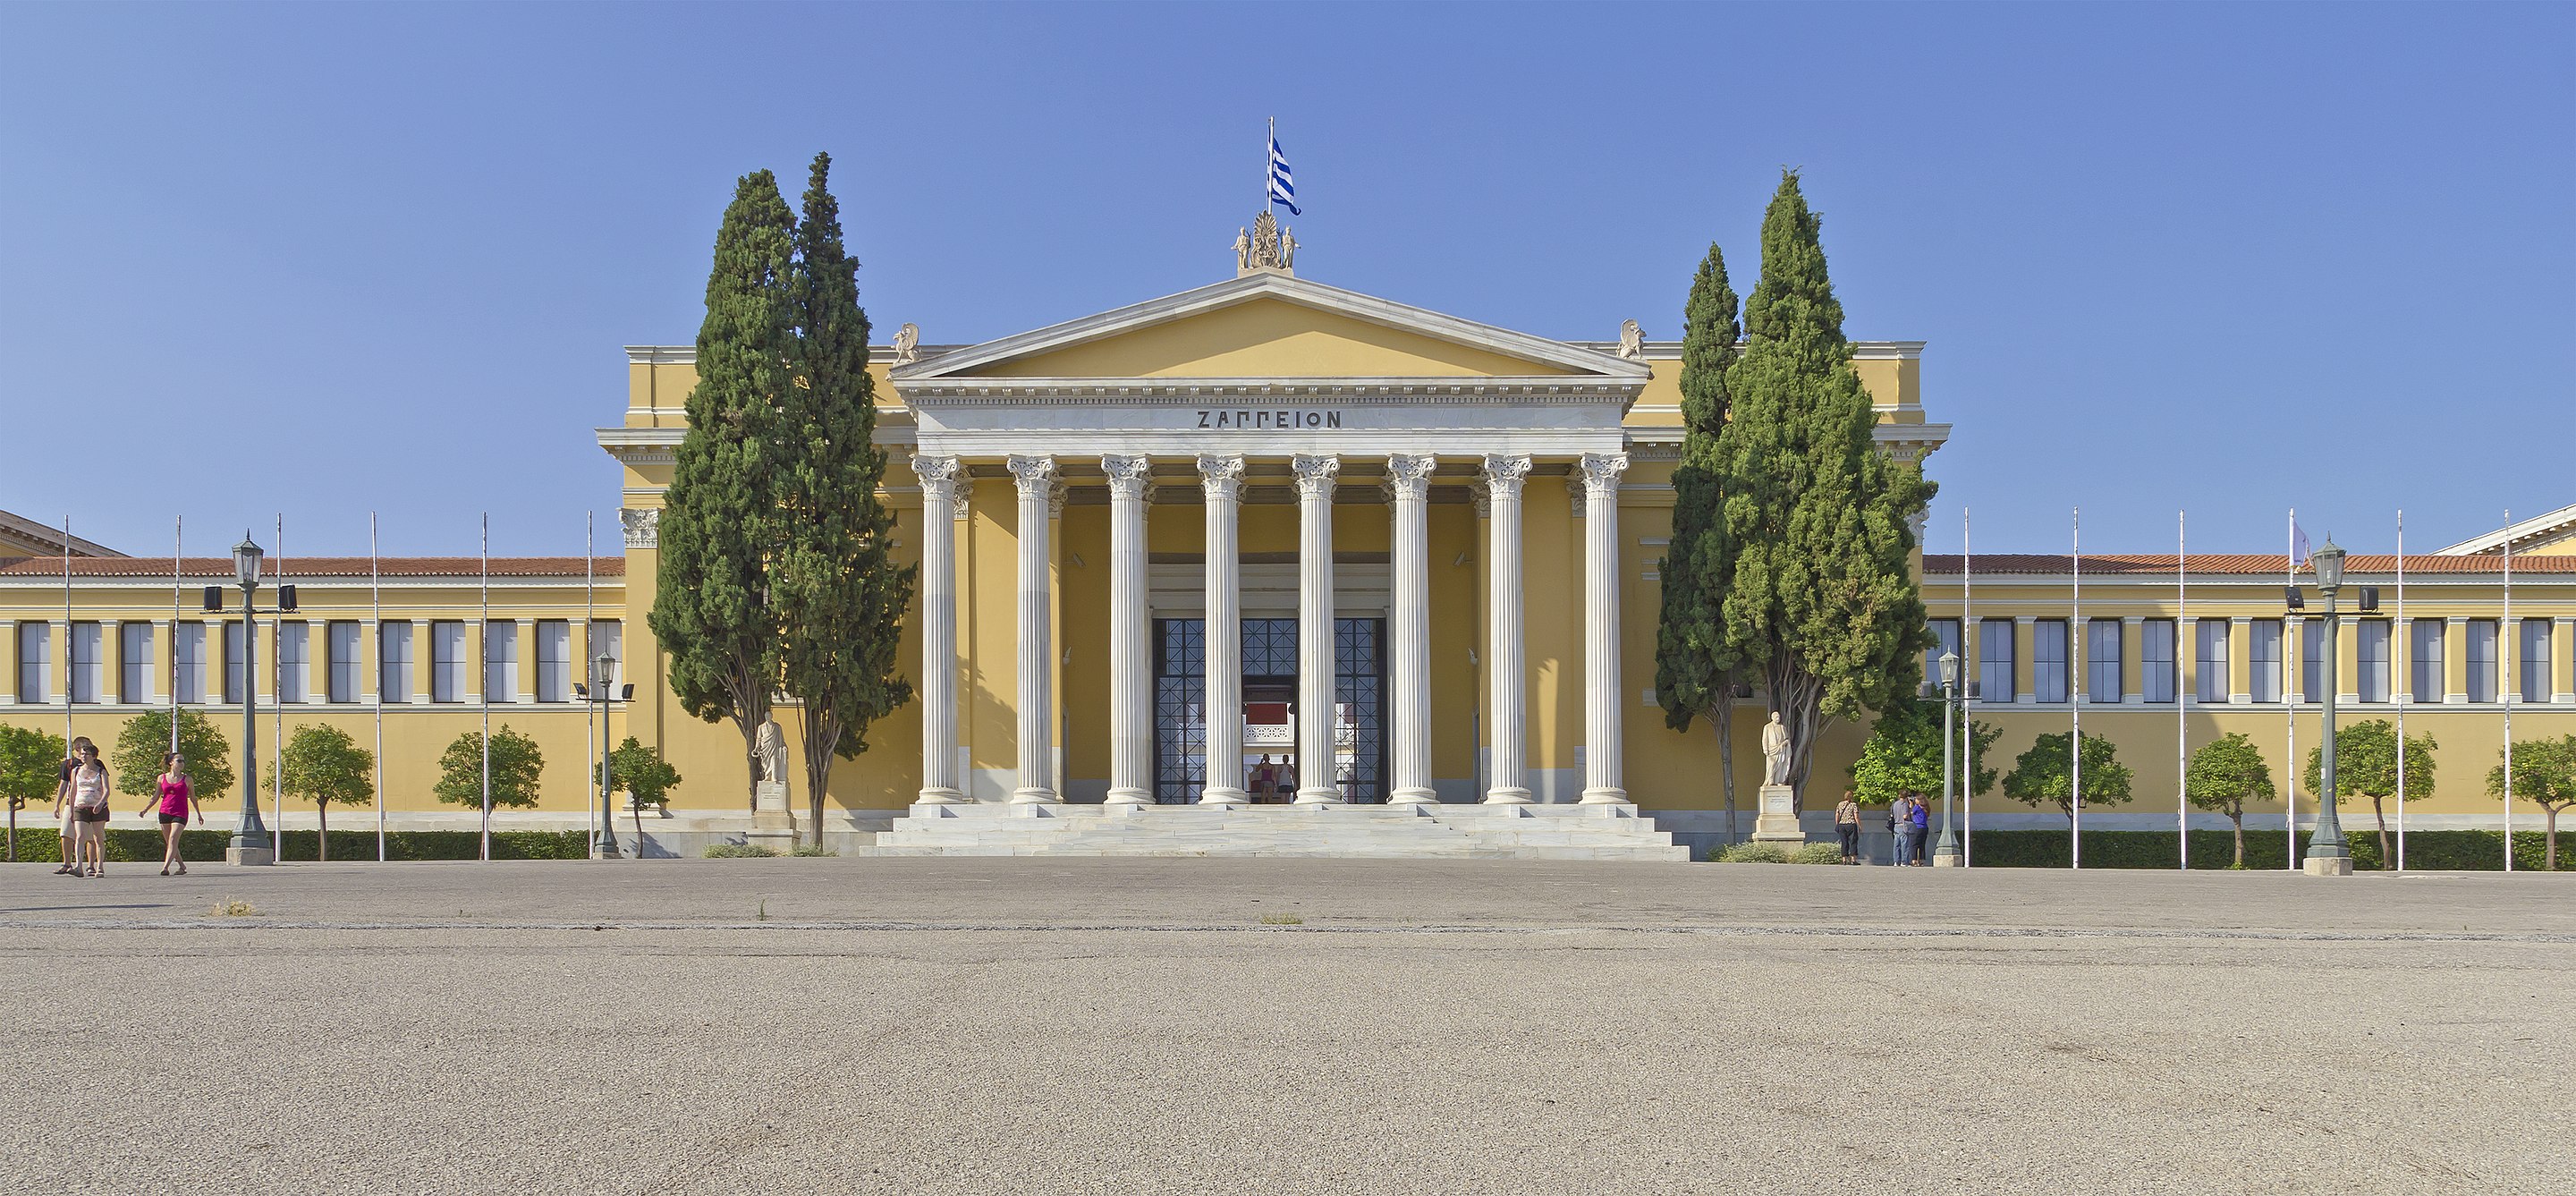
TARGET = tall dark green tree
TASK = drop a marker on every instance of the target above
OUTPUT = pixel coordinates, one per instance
(837, 593)
(1822, 602)
(1695, 663)
(720, 522)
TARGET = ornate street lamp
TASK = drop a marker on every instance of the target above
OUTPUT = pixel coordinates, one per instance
(1945, 852)
(603, 843)
(250, 843)
(2327, 854)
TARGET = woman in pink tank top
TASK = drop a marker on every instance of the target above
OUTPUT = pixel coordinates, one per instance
(174, 801)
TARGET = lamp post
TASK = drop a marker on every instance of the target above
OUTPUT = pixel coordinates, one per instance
(2327, 855)
(1945, 852)
(250, 843)
(603, 843)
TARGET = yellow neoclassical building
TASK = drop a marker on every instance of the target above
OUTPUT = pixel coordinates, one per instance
(1269, 542)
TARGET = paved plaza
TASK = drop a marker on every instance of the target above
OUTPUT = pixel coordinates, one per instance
(1126, 1026)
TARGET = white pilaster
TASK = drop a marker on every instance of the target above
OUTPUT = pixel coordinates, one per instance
(1602, 780)
(1408, 479)
(1221, 479)
(1318, 766)
(1509, 700)
(1131, 741)
(941, 485)
(9, 666)
(2560, 659)
(1036, 477)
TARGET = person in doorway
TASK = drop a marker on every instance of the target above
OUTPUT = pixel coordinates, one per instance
(1920, 829)
(88, 792)
(1847, 827)
(176, 798)
(1265, 782)
(63, 809)
(1287, 781)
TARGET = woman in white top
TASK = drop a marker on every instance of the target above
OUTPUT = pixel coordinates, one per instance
(88, 792)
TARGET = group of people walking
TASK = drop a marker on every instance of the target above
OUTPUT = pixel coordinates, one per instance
(81, 801)
(1909, 827)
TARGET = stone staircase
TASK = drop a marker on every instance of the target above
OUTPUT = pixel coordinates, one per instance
(1559, 832)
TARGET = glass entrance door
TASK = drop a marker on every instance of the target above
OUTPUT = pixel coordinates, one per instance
(1181, 752)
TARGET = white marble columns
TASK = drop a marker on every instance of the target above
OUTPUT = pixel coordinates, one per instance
(1131, 667)
(1601, 729)
(1037, 482)
(1408, 483)
(940, 481)
(1221, 479)
(1509, 700)
(1318, 770)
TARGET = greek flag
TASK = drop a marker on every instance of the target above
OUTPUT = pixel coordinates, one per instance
(1283, 189)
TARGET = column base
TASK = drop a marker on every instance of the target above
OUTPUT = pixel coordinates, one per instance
(1514, 796)
(1318, 797)
(1946, 861)
(1225, 797)
(2331, 866)
(254, 856)
(1034, 797)
(940, 796)
(1604, 797)
(1412, 797)
(1128, 797)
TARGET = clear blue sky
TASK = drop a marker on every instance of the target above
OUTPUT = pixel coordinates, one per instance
(322, 259)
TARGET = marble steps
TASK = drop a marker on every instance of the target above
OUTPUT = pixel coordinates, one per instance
(1351, 832)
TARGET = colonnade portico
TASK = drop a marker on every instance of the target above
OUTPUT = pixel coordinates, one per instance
(1407, 478)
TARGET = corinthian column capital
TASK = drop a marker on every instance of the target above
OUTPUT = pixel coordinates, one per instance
(1316, 474)
(1408, 475)
(1034, 473)
(1221, 474)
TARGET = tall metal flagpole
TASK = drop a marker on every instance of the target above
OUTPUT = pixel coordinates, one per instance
(2406, 692)
(375, 617)
(68, 666)
(2293, 687)
(2075, 699)
(1265, 164)
(178, 544)
(2182, 726)
(277, 694)
(2508, 646)
(483, 686)
(590, 746)
(1967, 726)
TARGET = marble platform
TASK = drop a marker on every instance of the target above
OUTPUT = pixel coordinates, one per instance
(1538, 832)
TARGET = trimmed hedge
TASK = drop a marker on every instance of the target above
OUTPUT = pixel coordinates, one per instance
(142, 845)
(2432, 851)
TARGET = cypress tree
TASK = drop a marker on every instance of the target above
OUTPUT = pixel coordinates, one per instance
(1695, 663)
(839, 596)
(719, 521)
(1822, 600)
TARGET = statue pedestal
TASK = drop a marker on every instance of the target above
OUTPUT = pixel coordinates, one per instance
(771, 824)
(1777, 821)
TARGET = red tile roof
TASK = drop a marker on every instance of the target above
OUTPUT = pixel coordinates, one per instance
(2257, 564)
(406, 567)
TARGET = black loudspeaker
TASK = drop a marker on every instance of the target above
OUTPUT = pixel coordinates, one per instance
(214, 597)
(286, 598)
(2370, 598)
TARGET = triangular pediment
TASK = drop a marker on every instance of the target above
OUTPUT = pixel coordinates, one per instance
(1272, 326)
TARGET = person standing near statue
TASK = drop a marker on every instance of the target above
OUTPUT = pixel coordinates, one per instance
(1847, 827)
(1918, 829)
